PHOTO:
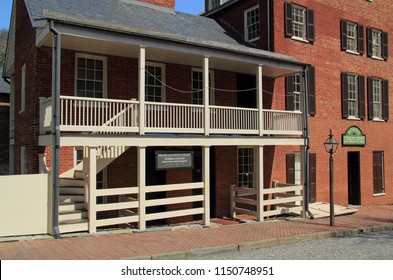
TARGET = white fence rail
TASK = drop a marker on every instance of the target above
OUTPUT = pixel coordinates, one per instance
(233, 120)
(282, 122)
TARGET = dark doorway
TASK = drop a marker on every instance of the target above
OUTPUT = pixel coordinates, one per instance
(354, 197)
(247, 93)
(197, 177)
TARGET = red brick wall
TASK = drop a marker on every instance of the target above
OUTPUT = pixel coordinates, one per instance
(164, 3)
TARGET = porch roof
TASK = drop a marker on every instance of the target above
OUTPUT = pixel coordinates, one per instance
(146, 20)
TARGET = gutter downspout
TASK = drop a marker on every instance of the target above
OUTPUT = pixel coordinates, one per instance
(56, 68)
(268, 26)
(307, 146)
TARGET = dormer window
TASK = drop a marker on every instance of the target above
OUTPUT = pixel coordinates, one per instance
(251, 24)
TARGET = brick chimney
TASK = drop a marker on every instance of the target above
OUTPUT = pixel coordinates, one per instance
(163, 3)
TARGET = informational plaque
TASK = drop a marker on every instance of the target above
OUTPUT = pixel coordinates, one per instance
(174, 160)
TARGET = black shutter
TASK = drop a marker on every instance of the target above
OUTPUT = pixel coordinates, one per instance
(344, 94)
(360, 39)
(385, 47)
(385, 100)
(378, 172)
(370, 98)
(361, 97)
(289, 96)
(369, 42)
(290, 168)
(343, 35)
(311, 92)
(313, 178)
(310, 26)
(288, 19)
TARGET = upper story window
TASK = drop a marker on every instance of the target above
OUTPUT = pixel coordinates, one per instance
(352, 37)
(352, 86)
(197, 87)
(377, 43)
(378, 99)
(90, 76)
(299, 22)
(155, 77)
(251, 24)
(294, 89)
(216, 3)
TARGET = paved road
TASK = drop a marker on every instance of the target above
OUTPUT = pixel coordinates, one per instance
(365, 246)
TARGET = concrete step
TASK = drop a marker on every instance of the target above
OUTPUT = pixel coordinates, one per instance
(72, 215)
(73, 182)
(74, 226)
(70, 206)
(72, 190)
(71, 198)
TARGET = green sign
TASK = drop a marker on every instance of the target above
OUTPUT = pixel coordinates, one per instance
(354, 137)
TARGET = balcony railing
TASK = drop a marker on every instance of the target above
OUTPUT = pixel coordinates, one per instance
(94, 115)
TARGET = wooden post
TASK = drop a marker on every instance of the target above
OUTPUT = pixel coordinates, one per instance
(260, 184)
(141, 88)
(303, 166)
(206, 94)
(92, 183)
(206, 184)
(142, 187)
(260, 99)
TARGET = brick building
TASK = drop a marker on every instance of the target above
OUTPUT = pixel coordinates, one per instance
(346, 42)
(4, 126)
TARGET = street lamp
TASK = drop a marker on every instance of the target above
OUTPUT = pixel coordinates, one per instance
(331, 145)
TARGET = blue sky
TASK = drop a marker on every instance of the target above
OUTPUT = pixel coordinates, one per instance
(188, 6)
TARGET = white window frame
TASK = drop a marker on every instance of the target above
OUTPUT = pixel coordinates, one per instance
(216, 3)
(211, 86)
(297, 168)
(247, 25)
(302, 36)
(163, 80)
(252, 163)
(104, 77)
(352, 37)
(23, 160)
(376, 43)
(377, 99)
(23, 90)
(353, 89)
(297, 92)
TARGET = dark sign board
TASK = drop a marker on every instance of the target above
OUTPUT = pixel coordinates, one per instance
(174, 160)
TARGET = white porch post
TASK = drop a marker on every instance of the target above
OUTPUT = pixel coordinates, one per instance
(92, 183)
(260, 184)
(141, 88)
(206, 184)
(142, 187)
(206, 94)
(303, 193)
(260, 99)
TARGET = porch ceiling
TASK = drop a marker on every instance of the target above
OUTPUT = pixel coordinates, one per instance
(108, 43)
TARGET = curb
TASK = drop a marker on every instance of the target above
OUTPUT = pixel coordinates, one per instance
(259, 244)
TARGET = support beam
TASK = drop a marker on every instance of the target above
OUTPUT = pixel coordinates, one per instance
(92, 183)
(142, 187)
(260, 98)
(260, 185)
(206, 94)
(206, 184)
(141, 88)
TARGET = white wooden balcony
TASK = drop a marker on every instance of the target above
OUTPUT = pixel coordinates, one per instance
(94, 115)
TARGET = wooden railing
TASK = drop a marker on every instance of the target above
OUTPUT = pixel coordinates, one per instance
(111, 116)
(243, 201)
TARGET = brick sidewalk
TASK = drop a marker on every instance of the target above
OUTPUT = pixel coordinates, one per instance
(179, 243)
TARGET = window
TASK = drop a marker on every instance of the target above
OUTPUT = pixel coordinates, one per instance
(23, 90)
(378, 99)
(251, 24)
(378, 172)
(299, 22)
(245, 163)
(197, 87)
(23, 169)
(352, 37)
(216, 3)
(90, 76)
(353, 103)
(377, 44)
(294, 89)
(155, 77)
(293, 169)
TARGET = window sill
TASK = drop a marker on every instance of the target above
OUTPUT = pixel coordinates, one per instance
(377, 58)
(378, 120)
(352, 52)
(379, 194)
(300, 39)
(252, 40)
(351, 118)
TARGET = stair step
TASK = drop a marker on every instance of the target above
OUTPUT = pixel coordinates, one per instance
(71, 198)
(74, 226)
(73, 182)
(70, 206)
(72, 190)
(72, 215)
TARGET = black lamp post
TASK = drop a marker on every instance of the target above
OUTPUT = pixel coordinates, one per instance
(331, 145)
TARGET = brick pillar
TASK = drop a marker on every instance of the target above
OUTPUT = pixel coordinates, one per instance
(163, 3)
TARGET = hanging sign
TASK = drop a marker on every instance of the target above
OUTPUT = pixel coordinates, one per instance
(174, 160)
(354, 137)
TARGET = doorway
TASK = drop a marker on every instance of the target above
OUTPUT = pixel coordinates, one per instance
(247, 93)
(354, 196)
